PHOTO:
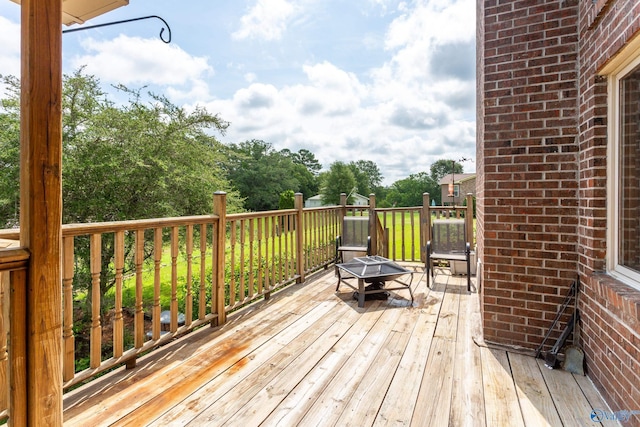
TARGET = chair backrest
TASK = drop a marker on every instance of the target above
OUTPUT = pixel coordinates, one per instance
(355, 230)
(448, 236)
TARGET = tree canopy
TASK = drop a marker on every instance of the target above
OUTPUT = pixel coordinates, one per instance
(367, 175)
(409, 191)
(339, 179)
(261, 174)
(443, 167)
(144, 158)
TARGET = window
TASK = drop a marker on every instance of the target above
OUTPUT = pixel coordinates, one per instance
(624, 173)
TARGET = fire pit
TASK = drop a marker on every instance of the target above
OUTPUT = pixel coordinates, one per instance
(375, 270)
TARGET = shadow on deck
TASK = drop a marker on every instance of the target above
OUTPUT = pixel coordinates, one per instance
(310, 356)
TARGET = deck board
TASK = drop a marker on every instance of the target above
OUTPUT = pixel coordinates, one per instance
(310, 356)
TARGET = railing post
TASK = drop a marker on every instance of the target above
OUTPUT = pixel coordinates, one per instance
(373, 224)
(426, 225)
(343, 203)
(299, 206)
(18, 355)
(469, 218)
(220, 238)
(4, 327)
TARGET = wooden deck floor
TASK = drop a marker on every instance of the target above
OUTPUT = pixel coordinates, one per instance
(310, 356)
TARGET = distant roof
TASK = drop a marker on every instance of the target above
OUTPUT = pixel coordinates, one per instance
(459, 178)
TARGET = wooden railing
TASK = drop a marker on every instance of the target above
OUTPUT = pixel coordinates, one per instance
(131, 286)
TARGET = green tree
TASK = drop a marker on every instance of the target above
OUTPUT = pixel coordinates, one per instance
(305, 158)
(10, 153)
(144, 158)
(367, 175)
(261, 174)
(443, 167)
(409, 191)
(305, 170)
(287, 200)
(339, 179)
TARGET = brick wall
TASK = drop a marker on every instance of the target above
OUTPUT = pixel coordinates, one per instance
(610, 310)
(528, 161)
(542, 180)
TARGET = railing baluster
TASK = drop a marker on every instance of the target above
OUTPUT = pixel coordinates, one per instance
(287, 237)
(272, 234)
(260, 261)
(232, 261)
(243, 285)
(280, 231)
(316, 240)
(413, 235)
(174, 280)
(139, 313)
(118, 324)
(202, 295)
(251, 258)
(96, 328)
(157, 258)
(188, 309)
(68, 368)
(393, 234)
(403, 233)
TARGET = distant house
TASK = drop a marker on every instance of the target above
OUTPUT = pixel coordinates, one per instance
(316, 201)
(463, 184)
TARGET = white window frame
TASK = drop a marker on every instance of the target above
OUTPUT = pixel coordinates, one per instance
(618, 68)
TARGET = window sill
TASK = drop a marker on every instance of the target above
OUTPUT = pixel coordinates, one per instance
(618, 297)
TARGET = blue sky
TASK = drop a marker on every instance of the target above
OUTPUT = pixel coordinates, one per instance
(382, 80)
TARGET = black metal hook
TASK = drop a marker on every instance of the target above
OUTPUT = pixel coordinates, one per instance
(125, 21)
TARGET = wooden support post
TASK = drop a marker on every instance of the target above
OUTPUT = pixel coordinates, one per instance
(469, 218)
(41, 205)
(219, 244)
(299, 206)
(343, 203)
(425, 228)
(373, 224)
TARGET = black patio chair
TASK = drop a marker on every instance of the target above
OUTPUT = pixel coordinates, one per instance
(354, 238)
(448, 243)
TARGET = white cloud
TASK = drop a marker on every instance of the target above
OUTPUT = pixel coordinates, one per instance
(267, 20)
(412, 108)
(134, 60)
(10, 51)
(403, 115)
